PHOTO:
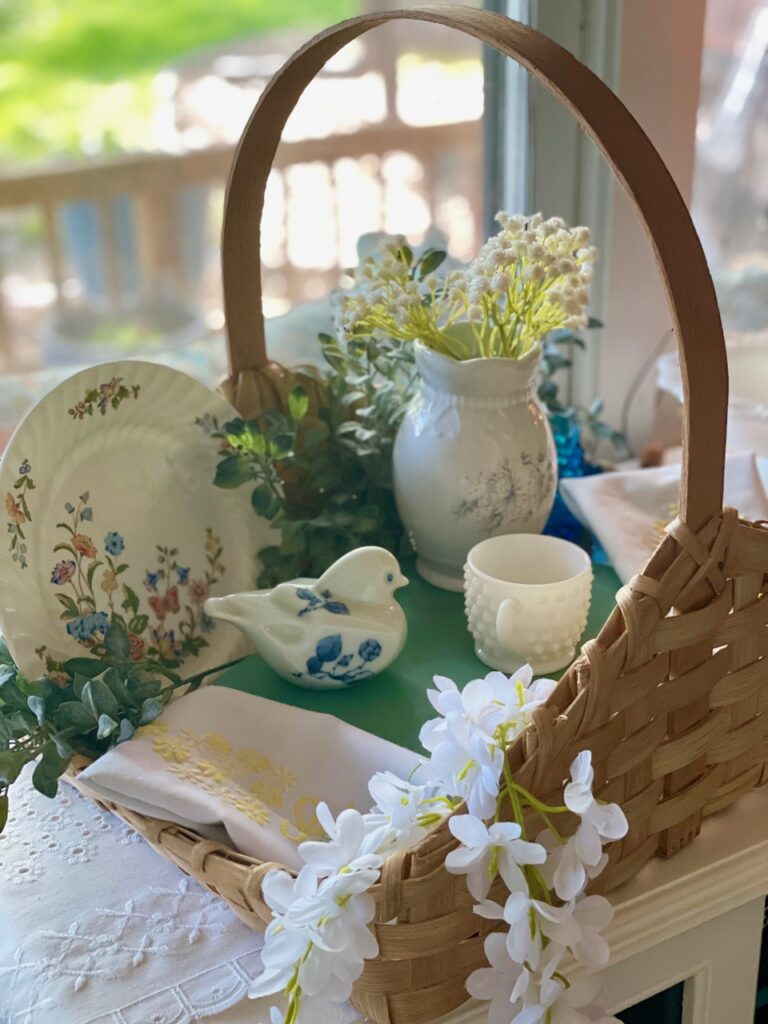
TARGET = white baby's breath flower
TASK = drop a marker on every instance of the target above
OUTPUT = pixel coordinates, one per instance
(501, 281)
(533, 272)
(479, 286)
(487, 851)
(581, 236)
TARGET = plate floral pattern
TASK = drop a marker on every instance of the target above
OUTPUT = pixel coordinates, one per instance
(109, 395)
(170, 626)
(17, 509)
(112, 515)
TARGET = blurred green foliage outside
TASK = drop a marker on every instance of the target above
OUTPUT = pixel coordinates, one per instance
(76, 75)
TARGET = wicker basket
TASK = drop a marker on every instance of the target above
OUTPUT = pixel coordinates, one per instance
(671, 697)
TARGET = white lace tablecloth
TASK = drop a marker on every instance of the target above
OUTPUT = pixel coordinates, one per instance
(96, 928)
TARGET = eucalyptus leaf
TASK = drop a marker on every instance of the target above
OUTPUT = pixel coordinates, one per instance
(106, 727)
(37, 707)
(11, 763)
(117, 681)
(3, 810)
(22, 721)
(62, 748)
(45, 777)
(262, 501)
(99, 699)
(73, 714)
(5, 656)
(126, 730)
(12, 695)
(7, 672)
(145, 690)
(88, 668)
(150, 710)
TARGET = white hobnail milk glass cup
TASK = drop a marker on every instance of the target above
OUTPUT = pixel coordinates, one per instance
(527, 598)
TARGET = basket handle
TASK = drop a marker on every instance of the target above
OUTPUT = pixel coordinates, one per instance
(626, 147)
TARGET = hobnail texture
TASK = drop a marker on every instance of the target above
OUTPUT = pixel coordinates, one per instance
(514, 623)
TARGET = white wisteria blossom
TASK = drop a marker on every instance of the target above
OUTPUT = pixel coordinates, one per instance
(320, 936)
(553, 1000)
(352, 843)
(404, 811)
(530, 278)
(582, 857)
(466, 764)
(502, 983)
(486, 852)
(566, 870)
(488, 703)
(531, 923)
(468, 740)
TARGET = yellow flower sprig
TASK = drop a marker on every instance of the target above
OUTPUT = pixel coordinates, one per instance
(529, 279)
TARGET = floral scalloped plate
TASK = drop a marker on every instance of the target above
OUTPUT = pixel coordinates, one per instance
(111, 513)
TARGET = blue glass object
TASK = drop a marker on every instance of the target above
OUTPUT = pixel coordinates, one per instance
(571, 462)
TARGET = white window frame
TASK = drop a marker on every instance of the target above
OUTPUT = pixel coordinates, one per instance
(649, 52)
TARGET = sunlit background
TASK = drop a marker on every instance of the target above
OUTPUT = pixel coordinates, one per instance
(117, 126)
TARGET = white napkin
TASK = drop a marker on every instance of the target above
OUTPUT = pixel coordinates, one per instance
(227, 763)
(628, 511)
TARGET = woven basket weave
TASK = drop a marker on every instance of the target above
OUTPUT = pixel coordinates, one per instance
(671, 696)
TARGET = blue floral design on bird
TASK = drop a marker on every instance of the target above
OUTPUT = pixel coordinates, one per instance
(325, 600)
(331, 662)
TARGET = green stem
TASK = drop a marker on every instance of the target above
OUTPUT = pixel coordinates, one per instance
(193, 682)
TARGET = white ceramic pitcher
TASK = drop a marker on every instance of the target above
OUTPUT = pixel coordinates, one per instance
(474, 458)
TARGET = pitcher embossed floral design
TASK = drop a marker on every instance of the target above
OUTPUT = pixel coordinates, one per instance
(474, 458)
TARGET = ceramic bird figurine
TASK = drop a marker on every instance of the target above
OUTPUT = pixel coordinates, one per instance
(328, 633)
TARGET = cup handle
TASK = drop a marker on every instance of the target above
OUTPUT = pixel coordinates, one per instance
(505, 617)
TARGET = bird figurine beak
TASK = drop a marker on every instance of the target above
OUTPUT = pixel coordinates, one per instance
(401, 581)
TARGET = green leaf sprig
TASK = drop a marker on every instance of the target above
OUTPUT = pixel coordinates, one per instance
(82, 706)
(325, 481)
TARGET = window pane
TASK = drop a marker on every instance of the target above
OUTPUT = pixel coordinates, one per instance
(117, 128)
(731, 177)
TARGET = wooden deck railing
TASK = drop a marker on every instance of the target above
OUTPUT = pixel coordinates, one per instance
(155, 181)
